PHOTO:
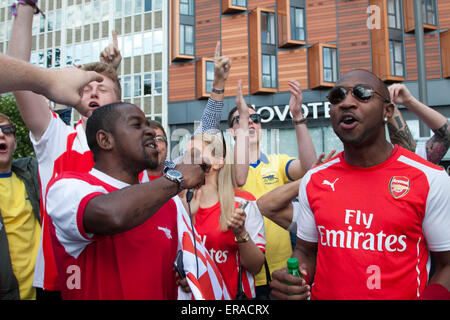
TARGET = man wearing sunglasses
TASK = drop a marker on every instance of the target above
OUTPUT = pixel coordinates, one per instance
(19, 217)
(259, 173)
(368, 218)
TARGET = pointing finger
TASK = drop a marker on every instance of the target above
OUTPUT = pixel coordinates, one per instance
(115, 41)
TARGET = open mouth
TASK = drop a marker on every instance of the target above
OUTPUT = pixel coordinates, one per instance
(93, 105)
(150, 144)
(348, 122)
(3, 147)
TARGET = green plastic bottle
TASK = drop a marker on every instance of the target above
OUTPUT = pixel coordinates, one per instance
(292, 264)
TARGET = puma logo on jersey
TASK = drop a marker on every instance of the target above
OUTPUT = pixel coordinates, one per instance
(326, 182)
(167, 232)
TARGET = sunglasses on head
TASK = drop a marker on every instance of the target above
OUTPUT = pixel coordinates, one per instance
(8, 129)
(361, 92)
(255, 117)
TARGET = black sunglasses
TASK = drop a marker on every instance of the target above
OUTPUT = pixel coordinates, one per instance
(255, 117)
(8, 129)
(361, 92)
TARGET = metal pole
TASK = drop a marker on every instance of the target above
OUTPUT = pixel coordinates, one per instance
(421, 70)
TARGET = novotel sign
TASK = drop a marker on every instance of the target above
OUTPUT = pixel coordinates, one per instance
(281, 113)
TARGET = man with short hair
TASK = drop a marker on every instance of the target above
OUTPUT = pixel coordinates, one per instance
(161, 145)
(115, 238)
(19, 218)
(58, 147)
(368, 219)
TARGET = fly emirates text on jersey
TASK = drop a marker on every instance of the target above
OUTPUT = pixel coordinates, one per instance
(370, 240)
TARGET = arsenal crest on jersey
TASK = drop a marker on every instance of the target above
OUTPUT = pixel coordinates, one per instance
(399, 186)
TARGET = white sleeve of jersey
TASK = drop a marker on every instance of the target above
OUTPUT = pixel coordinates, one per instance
(53, 142)
(63, 201)
(254, 223)
(436, 224)
(306, 224)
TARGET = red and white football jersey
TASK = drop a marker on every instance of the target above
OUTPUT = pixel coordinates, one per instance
(61, 148)
(135, 264)
(223, 248)
(374, 226)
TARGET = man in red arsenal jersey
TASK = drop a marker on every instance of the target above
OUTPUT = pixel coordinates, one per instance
(113, 237)
(368, 219)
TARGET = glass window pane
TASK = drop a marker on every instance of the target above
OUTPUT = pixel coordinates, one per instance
(391, 57)
(148, 5)
(158, 83)
(157, 5)
(265, 64)
(128, 46)
(50, 20)
(58, 19)
(128, 7)
(274, 71)
(148, 42)
(137, 43)
(182, 41)
(147, 83)
(334, 58)
(326, 58)
(127, 86)
(137, 86)
(69, 55)
(157, 41)
(118, 8)
(49, 58)
(105, 10)
(399, 69)
(209, 70)
(398, 52)
(327, 75)
(137, 6)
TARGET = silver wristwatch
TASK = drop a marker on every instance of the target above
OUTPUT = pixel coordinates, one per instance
(175, 176)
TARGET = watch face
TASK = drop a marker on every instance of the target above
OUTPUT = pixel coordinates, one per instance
(174, 173)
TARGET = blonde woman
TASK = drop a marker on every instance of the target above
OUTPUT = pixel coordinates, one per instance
(233, 236)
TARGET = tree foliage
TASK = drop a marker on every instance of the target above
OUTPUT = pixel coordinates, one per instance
(8, 106)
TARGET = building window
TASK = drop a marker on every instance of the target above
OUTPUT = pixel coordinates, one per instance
(209, 76)
(322, 65)
(297, 24)
(183, 36)
(429, 12)
(147, 84)
(234, 6)
(291, 18)
(263, 50)
(268, 28)
(396, 58)
(269, 71)
(187, 7)
(329, 64)
(394, 14)
(186, 40)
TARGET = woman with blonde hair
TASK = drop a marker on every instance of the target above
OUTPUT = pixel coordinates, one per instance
(234, 236)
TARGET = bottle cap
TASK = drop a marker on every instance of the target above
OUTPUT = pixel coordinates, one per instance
(292, 263)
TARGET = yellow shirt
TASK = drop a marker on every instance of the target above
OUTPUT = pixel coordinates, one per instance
(22, 230)
(265, 175)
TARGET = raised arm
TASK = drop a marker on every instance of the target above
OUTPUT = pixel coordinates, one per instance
(33, 108)
(213, 111)
(241, 146)
(127, 208)
(437, 145)
(59, 85)
(276, 205)
(306, 150)
(111, 54)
